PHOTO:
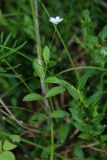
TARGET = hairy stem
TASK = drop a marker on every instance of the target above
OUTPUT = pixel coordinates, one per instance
(40, 61)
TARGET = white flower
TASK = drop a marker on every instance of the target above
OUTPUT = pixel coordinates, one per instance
(55, 20)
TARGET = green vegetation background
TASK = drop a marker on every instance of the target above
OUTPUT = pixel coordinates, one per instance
(84, 31)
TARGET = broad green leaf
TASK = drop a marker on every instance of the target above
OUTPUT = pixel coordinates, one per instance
(63, 132)
(52, 80)
(7, 155)
(54, 91)
(46, 54)
(33, 97)
(59, 114)
(9, 145)
(39, 69)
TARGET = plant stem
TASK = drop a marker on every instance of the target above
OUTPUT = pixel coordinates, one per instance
(62, 41)
(67, 51)
(52, 38)
(36, 29)
(40, 61)
(52, 141)
(39, 48)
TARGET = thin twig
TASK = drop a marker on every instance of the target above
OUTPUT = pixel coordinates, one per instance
(99, 150)
(74, 134)
(89, 145)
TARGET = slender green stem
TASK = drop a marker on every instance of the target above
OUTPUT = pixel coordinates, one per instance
(68, 53)
(82, 67)
(52, 141)
(102, 77)
(52, 38)
(62, 41)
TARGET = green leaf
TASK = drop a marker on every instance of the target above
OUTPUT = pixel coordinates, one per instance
(46, 54)
(91, 129)
(104, 138)
(77, 113)
(38, 69)
(63, 132)
(98, 118)
(91, 41)
(0, 146)
(3, 20)
(71, 89)
(54, 91)
(7, 155)
(52, 80)
(85, 136)
(8, 145)
(38, 117)
(103, 33)
(59, 114)
(78, 152)
(95, 98)
(83, 79)
(104, 51)
(33, 97)
(45, 152)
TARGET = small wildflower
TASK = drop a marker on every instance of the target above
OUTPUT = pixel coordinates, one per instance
(55, 20)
